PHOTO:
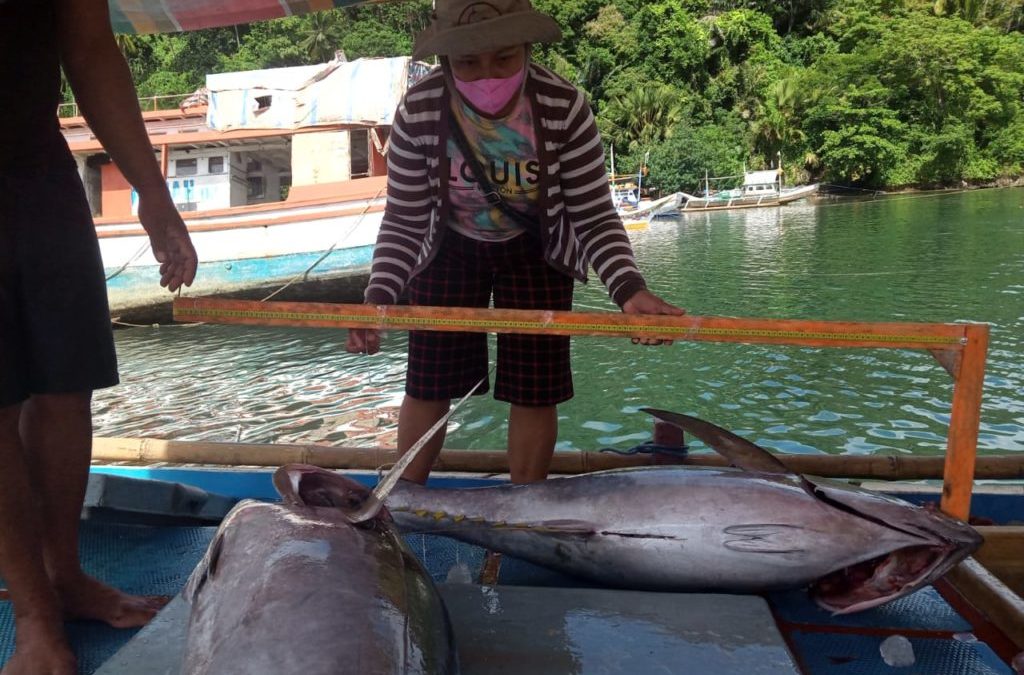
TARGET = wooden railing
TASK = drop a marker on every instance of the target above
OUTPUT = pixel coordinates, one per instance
(148, 103)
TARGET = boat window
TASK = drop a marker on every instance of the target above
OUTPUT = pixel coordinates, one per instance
(359, 152)
(186, 167)
(262, 103)
(215, 165)
(257, 188)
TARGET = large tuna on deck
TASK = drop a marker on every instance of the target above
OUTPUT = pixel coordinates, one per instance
(295, 588)
(757, 528)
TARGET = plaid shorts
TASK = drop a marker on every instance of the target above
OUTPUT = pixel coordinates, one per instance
(533, 370)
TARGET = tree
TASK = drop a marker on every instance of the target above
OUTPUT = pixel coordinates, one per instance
(681, 161)
(642, 117)
(856, 138)
(319, 43)
(776, 126)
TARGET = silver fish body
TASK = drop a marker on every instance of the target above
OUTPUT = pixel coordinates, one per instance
(684, 528)
(295, 588)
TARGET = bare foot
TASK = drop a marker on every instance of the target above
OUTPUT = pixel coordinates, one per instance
(87, 598)
(41, 649)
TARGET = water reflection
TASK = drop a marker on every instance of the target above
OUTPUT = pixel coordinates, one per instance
(946, 258)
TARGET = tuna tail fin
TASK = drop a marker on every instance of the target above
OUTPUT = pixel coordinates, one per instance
(739, 451)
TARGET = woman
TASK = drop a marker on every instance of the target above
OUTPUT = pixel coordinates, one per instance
(521, 219)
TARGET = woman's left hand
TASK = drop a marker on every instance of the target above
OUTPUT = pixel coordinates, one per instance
(645, 302)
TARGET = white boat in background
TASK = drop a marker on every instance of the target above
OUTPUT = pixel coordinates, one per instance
(760, 188)
(648, 210)
(279, 175)
(631, 206)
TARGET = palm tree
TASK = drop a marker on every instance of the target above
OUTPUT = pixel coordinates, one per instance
(128, 43)
(969, 10)
(319, 41)
(775, 123)
(644, 116)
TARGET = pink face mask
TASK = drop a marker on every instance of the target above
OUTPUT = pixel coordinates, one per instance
(491, 95)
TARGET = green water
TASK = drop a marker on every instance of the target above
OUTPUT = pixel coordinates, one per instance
(945, 258)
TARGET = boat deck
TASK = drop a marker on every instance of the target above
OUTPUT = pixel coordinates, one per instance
(529, 619)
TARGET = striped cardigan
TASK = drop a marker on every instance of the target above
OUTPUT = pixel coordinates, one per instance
(579, 224)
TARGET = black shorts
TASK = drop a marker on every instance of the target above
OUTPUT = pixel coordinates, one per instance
(533, 370)
(55, 333)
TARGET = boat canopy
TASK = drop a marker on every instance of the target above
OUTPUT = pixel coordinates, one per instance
(174, 16)
(768, 177)
(360, 93)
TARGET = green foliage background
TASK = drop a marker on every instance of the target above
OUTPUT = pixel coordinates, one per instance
(872, 93)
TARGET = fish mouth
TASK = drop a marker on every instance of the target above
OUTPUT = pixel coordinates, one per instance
(887, 577)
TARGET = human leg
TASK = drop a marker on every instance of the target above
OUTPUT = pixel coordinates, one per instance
(56, 430)
(69, 352)
(442, 365)
(532, 432)
(415, 418)
(41, 647)
(534, 373)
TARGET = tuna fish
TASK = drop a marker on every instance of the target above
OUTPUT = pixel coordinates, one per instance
(295, 588)
(751, 529)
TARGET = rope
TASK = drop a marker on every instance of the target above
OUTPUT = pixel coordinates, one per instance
(305, 275)
(853, 189)
(138, 254)
(651, 448)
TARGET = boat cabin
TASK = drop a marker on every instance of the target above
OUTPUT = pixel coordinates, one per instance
(256, 137)
(762, 183)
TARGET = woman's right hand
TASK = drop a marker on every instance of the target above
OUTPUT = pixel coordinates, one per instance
(363, 341)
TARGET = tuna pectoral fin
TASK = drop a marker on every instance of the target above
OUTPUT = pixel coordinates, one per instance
(206, 568)
(739, 451)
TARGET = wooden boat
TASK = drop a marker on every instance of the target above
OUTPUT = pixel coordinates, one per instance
(507, 611)
(759, 189)
(636, 210)
(279, 175)
(148, 534)
(646, 210)
(972, 625)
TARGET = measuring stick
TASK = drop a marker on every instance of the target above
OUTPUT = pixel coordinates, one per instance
(934, 336)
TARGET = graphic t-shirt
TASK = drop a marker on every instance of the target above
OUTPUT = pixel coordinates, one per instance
(507, 150)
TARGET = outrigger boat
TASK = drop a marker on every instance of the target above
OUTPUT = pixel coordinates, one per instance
(759, 189)
(635, 210)
(506, 612)
(153, 506)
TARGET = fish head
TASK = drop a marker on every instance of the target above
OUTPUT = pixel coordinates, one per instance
(920, 545)
(305, 485)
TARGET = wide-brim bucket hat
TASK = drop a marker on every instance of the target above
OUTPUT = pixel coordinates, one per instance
(460, 27)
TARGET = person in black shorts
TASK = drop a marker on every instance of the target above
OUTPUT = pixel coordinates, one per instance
(497, 190)
(56, 344)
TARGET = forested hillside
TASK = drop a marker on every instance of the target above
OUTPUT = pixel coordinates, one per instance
(870, 93)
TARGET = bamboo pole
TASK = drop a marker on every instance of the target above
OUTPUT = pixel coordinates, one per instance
(1002, 554)
(880, 467)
